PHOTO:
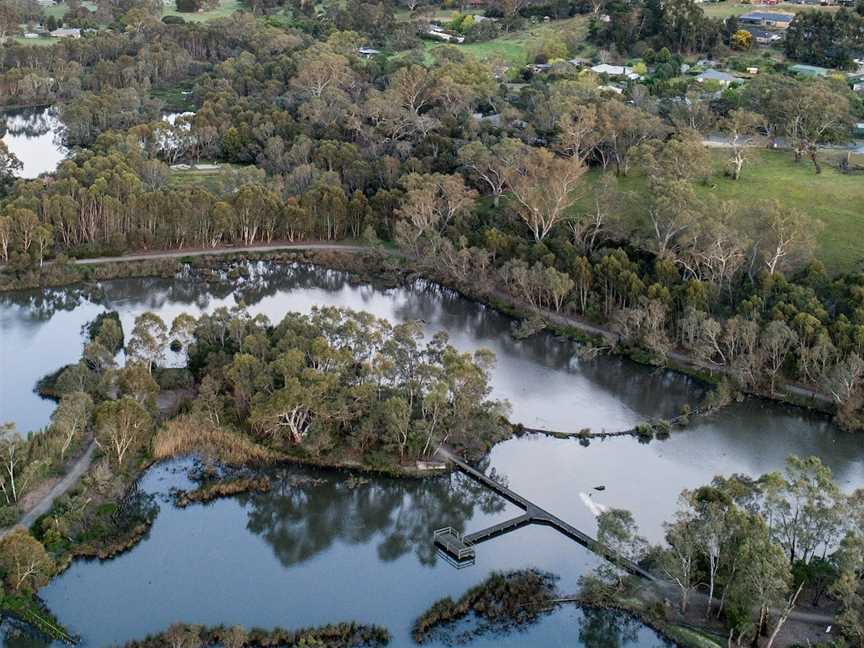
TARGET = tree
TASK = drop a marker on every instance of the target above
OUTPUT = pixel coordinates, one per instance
(761, 580)
(71, 418)
(10, 165)
(621, 128)
(544, 187)
(741, 40)
(740, 126)
(849, 589)
(25, 562)
(814, 112)
(148, 339)
(11, 451)
(776, 341)
(617, 531)
(432, 202)
(490, 164)
(120, 427)
(786, 237)
(678, 561)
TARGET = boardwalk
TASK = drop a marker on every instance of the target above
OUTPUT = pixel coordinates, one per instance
(457, 545)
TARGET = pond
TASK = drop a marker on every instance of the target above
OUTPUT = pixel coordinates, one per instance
(34, 136)
(322, 547)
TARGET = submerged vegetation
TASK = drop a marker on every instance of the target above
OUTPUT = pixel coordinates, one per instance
(340, 635)
(503, 601)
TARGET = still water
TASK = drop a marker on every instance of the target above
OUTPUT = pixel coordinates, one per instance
(322, 548)
(34, 136)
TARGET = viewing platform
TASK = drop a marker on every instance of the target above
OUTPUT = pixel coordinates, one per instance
(461, 548)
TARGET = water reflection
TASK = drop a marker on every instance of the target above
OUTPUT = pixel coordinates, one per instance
(34, 136)
(306, 513)
(547, 385)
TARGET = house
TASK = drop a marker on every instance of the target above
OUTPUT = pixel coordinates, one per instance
(616, 71)
(66, 33)
(31, 35)
(774, 19)
(808, 70)
(723, 78)
(762, 36)
(858, 129)
(368, 52)
(435, 31)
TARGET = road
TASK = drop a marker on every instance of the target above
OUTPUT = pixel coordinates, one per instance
(44, 505)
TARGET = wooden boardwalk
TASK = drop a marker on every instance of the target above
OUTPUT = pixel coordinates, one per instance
(533, 515)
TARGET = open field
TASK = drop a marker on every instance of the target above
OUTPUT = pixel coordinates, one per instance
(205, 178)
(225, 8)
(832, 198)
(42, 41)
(736, 8)
(516, 46)
(59, 10)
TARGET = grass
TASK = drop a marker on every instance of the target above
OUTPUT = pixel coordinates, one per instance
(173, 97)
(59, 10)
(225, 9)
(515, 47)
(42, 41)
(210, 179)
(832, 198)
(185, 435)
(736, 8)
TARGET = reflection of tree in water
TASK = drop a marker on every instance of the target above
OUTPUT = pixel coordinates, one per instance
(600, 628)
(303, 516)
(32, 122)
(42, 305)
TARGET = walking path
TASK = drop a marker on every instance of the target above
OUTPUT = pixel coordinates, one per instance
(76, 471)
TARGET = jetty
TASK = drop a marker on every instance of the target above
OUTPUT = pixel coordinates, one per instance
(460, 548)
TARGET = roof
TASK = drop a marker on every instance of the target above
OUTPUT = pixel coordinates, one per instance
(716, 75)
(808, 70)
(769, 16)
(615, 70)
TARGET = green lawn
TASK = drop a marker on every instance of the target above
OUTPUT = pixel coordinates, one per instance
(736, 8)
(834, 199)
(225, 8)
(59, 10)
(516, 46)
(42, 41)
(210, 179)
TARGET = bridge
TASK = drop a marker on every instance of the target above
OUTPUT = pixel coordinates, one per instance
(460, 548)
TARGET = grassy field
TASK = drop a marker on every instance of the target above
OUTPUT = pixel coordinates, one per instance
(225, 8)
(59, 10)
(210, 179)
(736, 8)
(832, 198)
(516, 46)
(42, 41)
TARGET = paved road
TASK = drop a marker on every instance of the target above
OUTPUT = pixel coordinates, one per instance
(60, 488)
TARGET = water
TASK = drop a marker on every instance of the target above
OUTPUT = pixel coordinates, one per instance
(310, 553)
(33, 135)
(317, 552)
(547, 385)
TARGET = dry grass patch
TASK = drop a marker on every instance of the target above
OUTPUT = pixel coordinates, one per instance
(189, 435)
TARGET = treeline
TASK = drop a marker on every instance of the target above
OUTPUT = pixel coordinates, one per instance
(757, 548)
(151, 54)
(827, 39)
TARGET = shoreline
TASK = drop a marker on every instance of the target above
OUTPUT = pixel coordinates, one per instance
(786, 392)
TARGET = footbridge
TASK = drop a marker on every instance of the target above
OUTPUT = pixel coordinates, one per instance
(461, 547)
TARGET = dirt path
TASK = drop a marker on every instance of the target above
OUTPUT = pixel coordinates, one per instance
(76, 471)
(221, 251)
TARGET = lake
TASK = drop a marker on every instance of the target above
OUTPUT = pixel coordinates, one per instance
(322, 547)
